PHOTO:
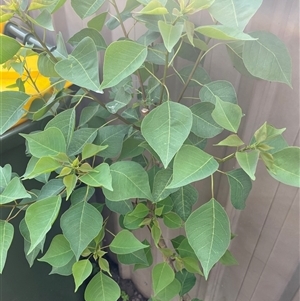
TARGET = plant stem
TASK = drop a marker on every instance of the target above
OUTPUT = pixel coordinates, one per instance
(113, 2)
(163, 87)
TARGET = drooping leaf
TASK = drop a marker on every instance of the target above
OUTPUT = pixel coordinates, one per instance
(9, 47)
(268, 58)
(86, 8)
(240, 187)
(43, 20)
(13, 191)
(65, 121)
(191, 164)
(221, 88)
(154, 7)
(170, 33)
(59, 252)
(84, 220)
(129, 180)
(120, 64)
(183, 200)
(49, 142)
(285, 166)
(165, 129)
(208, 233)
(187, 281)
(26, 235)
(81, 270)
(234, 13)
(221, 32)
(11, 103)
(200, 76)
(227, 115)
(203, 124)
(191, 264)
(81, 66)
(125, 243)
(248, 162)
(99, 177)
(162, 276)
(6, 237)
(39, 218)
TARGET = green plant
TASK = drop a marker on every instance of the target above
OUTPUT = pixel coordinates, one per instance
(124, 296)
(153, 154)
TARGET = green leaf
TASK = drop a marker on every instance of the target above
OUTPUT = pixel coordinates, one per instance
(102, 287)
(81, 66)
(141, 210)
(266, 132)
(38, 4)
(43, 20)
(121, 207)
(59, 252)
(91, 150)
(154, 7)
(191, 164)
(172, 220)
(285, 166)
(203, 124)
(121, 99)
(192, 265)
(86, 8)
(208, 233)
(111, 135)
(268, 58)
(228, 260)
(39, 218)
(221, 88)
(6, 237)
(97, 22)
(81, 270)
(196, 141)
(187, 281)
(125, 243)
(156, 233)
(170, 33)
(44, 165)
(161, 180)
(82, 194)
(234, 13)
(11, 103)
(65, 270)
(46, 66)
(51, 188)
(9, 47)
(197, 5)
(13, 191)
(200, 76)
(88, 32)
(227, 115)
(240, 187)
(80, 138)
(131, 148)
(165, 129)
(129, 180)
(232, 140)
(137, 257)
(169, 292)
(65, 121)
(5, 176)
(99, 177)
(120, 64)
(84, 220)
(221, 32)
(185, 250)
(248, 162)
(26, 235)
(162, 276)
(183, 201)
(49, 142)
(70, 182)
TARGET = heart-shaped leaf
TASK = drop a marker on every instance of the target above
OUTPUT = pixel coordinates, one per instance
(81, 66)
(6, 236)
